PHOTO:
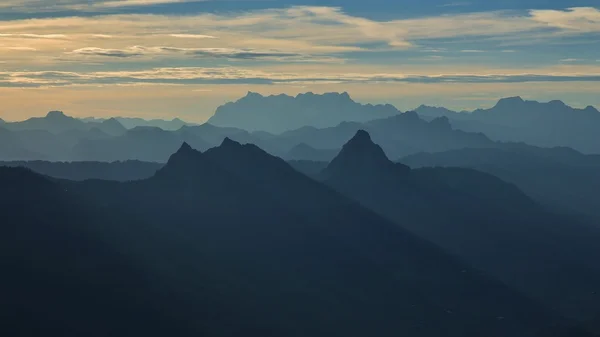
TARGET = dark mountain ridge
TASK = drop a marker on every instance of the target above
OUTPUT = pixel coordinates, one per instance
(207, 247)
(481, 219)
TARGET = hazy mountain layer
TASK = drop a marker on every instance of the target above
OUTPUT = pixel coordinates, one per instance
(280, 113)
(561, 179)
(543, 124)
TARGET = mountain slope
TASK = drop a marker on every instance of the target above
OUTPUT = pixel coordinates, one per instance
(235, 242)
(78, 171)
(558, 178)
(281, 113)
(481, 219)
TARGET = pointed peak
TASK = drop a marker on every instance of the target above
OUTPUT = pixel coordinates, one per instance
(360, 155)
(590, 108)
(185, 151)
(361, 136)
(253, 94)
(185, 147)
(229, 143)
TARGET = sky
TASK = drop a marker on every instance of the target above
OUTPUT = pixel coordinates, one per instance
(183, 58)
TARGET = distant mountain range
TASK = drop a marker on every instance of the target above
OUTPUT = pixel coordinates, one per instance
(280, 113)
(57, 122)
(66, 139)
(234, 241)
(542, 124)
(560, 178)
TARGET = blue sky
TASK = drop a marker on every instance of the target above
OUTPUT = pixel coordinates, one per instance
(168, 58)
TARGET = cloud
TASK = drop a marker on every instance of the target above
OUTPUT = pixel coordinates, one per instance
(455, 4)
(129, 3)
(291, 34)
(232, 75)
(22, 48)
(193, 36)
(34, 36)
(228, 53)
(579, 19)
(570, 60)
(45, 6)
(93, 51)
(472, 51)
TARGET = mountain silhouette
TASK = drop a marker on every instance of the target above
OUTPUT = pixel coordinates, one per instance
(547, 124)
(399, 135)
(79, 171)
(54, 122)
(169, 125)
(361, 157)
(480, 218)
(112, 127)
(234, 241)
(280, 113)
(560, 178)
(303, 151)
(150, 144)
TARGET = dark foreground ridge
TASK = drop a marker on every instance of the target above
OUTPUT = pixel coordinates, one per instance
(234, 242)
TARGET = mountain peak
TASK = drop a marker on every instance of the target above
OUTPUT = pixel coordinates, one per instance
(56, 114)
(185, 147)
(557, 103)
(360, 155)
(441, 122)
(230, 143)
(361, 136)
(252, 94)
(183, 159)
(510, 101)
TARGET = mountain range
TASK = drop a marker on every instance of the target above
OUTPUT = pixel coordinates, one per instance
(542, 124)
(280, 113)
(485, 221)
(132, 122)
(234, 241)
(75, 140)
(560, 178)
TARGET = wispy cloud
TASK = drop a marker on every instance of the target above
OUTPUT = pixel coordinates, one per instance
(456, 4)
(231, 75)
(34, 36)
(229, 53)
(22, 48)
(193, 36)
